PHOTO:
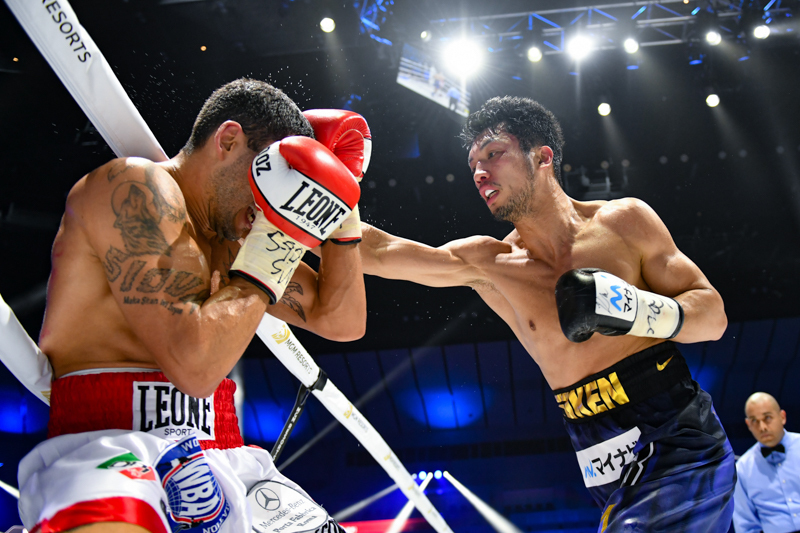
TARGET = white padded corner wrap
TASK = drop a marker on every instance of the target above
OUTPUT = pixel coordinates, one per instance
(22, 356)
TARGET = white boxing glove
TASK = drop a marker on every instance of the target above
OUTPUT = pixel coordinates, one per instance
(303, 192)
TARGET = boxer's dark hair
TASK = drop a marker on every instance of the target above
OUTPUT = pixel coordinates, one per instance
(265, 113)
(525, 119)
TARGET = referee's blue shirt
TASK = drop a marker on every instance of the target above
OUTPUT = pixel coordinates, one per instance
(767, 496)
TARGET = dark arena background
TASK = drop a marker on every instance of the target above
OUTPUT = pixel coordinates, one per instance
(438, 374)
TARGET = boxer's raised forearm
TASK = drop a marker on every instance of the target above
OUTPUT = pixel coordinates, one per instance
(204, 345)
(340, 312)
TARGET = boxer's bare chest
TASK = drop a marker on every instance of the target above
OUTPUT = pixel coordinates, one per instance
(521, 289)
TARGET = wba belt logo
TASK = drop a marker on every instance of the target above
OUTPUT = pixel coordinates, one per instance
(595, 397)
(195, 501)
(161, 409)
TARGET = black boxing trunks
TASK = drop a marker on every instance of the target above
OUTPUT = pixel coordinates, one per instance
(650, 447)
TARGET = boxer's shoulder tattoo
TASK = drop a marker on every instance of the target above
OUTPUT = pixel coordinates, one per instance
(113, 262)
(187, 290)
(140, 207)
(137, 219)
(184, 286)
(167, 196)
(291, 302)
(117, 168)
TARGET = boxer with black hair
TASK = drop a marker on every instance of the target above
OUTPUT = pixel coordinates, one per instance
(162, 272)
(592, 290)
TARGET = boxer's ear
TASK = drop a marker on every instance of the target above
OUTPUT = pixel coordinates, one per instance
(227, 136)
(545, 156)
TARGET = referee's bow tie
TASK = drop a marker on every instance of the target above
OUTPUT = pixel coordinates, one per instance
(766, 451)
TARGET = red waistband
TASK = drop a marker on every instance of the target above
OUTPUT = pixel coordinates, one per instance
(94, 402)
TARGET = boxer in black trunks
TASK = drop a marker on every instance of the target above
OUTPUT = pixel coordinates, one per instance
(570, 269)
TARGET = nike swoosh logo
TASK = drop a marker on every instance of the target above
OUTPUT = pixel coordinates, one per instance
(661, 367)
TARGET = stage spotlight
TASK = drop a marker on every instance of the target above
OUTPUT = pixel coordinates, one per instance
(425, 36)
(327, 25)
(753, 22)
(712, 100)
(422, 475)
(631, 45)
(604, 109)
(463, 57)
(713, 38)
(761, 31)
(707, 25)
(579, 47)
(534, 54)
(437, 474)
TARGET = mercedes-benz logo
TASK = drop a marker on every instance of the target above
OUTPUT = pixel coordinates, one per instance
(267, 499)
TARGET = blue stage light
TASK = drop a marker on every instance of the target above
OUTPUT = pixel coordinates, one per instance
(263, 420)
(444, 410)
(438, 474)
(21, 413)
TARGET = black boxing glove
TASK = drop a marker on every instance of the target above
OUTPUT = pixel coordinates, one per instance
(591, 300)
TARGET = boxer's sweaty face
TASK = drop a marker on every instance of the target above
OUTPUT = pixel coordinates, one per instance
(232, 198)
(503, 175)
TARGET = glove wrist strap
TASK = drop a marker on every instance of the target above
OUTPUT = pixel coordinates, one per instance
(268, 258)
(657, 316)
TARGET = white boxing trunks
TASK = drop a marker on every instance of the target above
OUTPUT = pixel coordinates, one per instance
(160, 479)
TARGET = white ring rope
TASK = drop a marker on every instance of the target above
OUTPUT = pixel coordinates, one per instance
(56, 32)
(279, 338)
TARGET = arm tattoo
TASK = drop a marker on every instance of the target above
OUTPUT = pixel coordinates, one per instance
(165, 199)
(139, 209)
(116, 169)
(185, 287)
(289, 300)
(137, 221)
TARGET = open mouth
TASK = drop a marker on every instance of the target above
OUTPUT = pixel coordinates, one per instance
(489, 193)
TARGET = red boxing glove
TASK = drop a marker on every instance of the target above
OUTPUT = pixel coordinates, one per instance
(303, 192)
(347, 135)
